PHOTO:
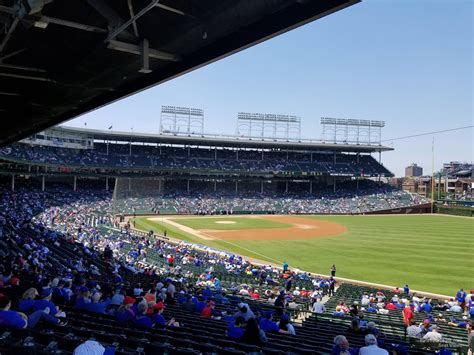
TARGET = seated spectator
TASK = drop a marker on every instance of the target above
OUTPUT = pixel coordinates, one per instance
(355, 328)
(268, 325)
(456, 308)
(236, 329)
(28, 300)
(244, 311)
(18, 320)
(125, 313)
(285, 325)
(341, 346)
(462, 324)
(92, 347)
(433, 335)
(141, 319)
(96, 306)
(208, 311)
(189, 305)
(158, 318)
(426, 307)
(45, 303)
(253, 335)
(371, 347)
(414, 331)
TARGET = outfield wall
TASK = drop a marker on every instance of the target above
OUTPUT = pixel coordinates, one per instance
(418, 209)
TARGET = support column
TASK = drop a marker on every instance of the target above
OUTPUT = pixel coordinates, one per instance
(129, 184)
(357, 184)
(215, 185)
(334, 157)
(334, 185)
(42, 182)
(163, 186)
(130, 150)
(75, 183)
(236, 186)
(237, 154)
(358, 154)
(188, 186)
(261, 187)
(29, 168)
(215, 153)
(286, 186)
(13, 182)
(107, 148)
(107, 183)
(380, 157)
(310, 187)
(262, 154)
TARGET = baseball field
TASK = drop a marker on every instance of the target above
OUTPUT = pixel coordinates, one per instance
(432, 253)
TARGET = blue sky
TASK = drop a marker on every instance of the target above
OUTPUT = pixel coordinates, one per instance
(409, 63)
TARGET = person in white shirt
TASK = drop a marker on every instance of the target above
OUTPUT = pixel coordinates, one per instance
(433, 335)
(371, 347)
(318, 307)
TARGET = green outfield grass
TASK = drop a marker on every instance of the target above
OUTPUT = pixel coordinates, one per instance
(238, 223)
(430, 253)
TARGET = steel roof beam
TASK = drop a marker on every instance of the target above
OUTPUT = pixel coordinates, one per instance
(135, 49)
(124, 26)
(12, 28)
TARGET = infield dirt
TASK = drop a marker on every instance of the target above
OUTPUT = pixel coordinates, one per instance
(300, 229)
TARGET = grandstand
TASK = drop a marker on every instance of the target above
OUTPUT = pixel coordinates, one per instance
(172, 173)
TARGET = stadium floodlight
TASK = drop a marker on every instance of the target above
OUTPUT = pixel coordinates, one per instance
(181, 120)
(268, 125)
(341, 130)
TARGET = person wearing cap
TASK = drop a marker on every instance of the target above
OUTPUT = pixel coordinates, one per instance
(426, 307)
(157, 317)
(208, 311)
(45, 303)
(92, 347)
(433, 335)
(125, 313)
(19, 320)
(371, 347)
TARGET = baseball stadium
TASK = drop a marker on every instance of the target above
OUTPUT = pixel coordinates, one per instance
(185, 242)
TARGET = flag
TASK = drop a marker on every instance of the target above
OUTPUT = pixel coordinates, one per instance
(110, 127)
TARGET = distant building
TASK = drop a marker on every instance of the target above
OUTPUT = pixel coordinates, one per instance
(413, 170)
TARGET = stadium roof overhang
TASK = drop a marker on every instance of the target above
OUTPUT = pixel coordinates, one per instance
(62, 58)
(221, 141)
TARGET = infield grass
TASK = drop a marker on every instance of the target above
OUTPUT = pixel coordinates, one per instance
(430, 253)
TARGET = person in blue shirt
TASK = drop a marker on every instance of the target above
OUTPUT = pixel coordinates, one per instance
(268, 325)
(28, 299)
(236, 329)
(45, 302)
(461, 298)
(341, 346)
(18, 320)
(426, 307)
(141, 319)
(406, 290)
(125, 313)
(95, 305)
